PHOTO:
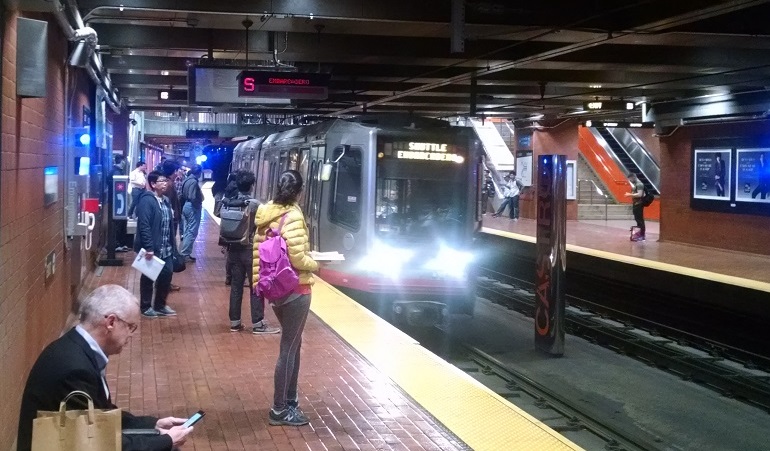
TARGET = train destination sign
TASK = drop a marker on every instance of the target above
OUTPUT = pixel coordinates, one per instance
(284, 85)
(426, 151)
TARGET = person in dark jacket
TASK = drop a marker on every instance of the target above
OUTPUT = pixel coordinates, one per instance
(239, 261)
(76, 361)
(155, 234)
(170, 169)
(192, 207)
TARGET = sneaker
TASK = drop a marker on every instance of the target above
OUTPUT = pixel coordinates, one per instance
(237, 328)
(150, 313)
(166, 311)
(290, 416)
(261, 328)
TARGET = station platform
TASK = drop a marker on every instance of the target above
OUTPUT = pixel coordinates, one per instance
(363, 383)
(610, 240)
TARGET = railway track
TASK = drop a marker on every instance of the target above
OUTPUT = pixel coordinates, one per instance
(728, 370)
(562, 414)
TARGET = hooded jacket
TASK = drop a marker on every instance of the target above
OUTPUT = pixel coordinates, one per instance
(294, 231)
(149, 225)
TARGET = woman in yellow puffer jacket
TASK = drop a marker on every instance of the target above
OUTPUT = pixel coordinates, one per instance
(293, 309)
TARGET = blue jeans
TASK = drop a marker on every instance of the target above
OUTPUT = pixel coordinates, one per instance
(240, 262)
(192, 221)
(513, 203)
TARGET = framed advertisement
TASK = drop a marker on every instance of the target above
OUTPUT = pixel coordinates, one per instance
(712, 174)
(524, 167)
(752, 175)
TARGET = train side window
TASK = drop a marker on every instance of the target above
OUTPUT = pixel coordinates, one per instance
(345, 206)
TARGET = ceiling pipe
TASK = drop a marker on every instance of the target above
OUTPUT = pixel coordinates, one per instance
(94, 66)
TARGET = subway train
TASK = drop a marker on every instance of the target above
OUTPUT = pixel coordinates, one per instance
(398, 196)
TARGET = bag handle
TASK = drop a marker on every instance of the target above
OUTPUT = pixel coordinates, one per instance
(91, 412)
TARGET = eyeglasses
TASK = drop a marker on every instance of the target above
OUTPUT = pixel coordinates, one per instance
(131, 326)
(162, 181)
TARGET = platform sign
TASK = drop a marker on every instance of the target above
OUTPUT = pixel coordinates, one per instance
(120, 197)
(551, 253)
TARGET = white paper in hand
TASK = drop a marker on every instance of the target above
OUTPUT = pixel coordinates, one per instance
(150, 268)
(326, 256)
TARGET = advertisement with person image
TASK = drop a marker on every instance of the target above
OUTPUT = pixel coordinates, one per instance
(753, 175)
(712, 175)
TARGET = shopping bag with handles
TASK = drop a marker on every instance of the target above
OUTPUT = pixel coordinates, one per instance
(82, 430)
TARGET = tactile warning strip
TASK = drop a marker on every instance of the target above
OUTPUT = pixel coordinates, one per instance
(475, 414)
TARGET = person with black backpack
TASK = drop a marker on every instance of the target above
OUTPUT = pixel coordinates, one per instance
(638, 197)
(236, 232)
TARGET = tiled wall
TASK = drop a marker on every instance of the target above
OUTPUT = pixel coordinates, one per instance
(679, 222)
(32, 309)
(562, 139)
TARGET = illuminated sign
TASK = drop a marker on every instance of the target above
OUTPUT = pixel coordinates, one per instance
(167, 94)
(286, 85)
(609, 105)
(426, 151)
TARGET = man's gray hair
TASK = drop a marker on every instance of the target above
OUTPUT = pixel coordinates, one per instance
(105, 300)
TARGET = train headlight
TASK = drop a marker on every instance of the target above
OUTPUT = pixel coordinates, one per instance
(386, 260)
(451, 262)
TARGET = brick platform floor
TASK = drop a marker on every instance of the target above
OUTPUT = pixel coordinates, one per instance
(175, 366)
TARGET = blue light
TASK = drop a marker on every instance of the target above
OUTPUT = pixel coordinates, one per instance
(201, 158)
(84, 139)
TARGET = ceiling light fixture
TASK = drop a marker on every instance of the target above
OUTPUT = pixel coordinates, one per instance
(164, 72)
(595, 86)
(121, 8)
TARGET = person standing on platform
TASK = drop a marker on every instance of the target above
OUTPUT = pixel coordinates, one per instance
(154, 234)
(487, 193)
(719, 174)
(636, 194)
(230, 192)
(178, 180)
(293, 309)
(137, 180)
(170, 169)
(108, 318)
(192, 207)
(239, 261)
(511, 191)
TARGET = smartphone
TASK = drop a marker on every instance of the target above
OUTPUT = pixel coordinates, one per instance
(194, 419)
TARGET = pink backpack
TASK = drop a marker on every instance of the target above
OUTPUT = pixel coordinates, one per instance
(277, 278)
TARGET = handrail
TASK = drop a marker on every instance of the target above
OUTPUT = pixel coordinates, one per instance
(598, 191)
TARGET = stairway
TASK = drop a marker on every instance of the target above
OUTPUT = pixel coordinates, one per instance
(595, 210)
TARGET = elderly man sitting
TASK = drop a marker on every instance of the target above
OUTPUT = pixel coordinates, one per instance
(76, 361)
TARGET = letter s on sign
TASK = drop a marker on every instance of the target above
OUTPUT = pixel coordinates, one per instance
(248, 84)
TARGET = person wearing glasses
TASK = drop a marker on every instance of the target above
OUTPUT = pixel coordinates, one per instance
(108, 317)
(155, 234)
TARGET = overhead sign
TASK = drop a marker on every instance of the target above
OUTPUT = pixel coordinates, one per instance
(614, 105)
(284, 85)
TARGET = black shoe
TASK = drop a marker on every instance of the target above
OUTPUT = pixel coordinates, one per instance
(237, 328)
(290, 416)
(190, 258)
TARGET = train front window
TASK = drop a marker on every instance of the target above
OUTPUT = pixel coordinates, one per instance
(418, 208)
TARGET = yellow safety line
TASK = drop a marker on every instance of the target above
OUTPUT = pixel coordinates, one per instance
(475, 414)
(662, 266)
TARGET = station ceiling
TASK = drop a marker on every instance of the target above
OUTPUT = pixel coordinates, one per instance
(522, 59)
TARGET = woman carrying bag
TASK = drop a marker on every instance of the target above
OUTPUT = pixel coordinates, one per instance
(283, 216)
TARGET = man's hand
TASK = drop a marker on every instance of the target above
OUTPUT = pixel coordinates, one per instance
(149, 255)
(169, 422)
(178, 434)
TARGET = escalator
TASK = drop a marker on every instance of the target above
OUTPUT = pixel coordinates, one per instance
(632, 156)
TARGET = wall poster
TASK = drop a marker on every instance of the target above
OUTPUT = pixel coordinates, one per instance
(524, 167)
(571, 179)
(712, 174)
(752, 175)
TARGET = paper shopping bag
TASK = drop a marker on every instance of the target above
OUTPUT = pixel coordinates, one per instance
(81, 430)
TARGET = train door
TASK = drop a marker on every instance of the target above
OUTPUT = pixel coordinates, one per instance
(313, 194)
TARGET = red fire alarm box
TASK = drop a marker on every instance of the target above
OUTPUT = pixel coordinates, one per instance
(90, 205)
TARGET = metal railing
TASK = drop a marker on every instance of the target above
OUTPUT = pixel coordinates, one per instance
(596, 190)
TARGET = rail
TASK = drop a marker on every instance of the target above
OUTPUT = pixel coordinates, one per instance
(598, 191)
